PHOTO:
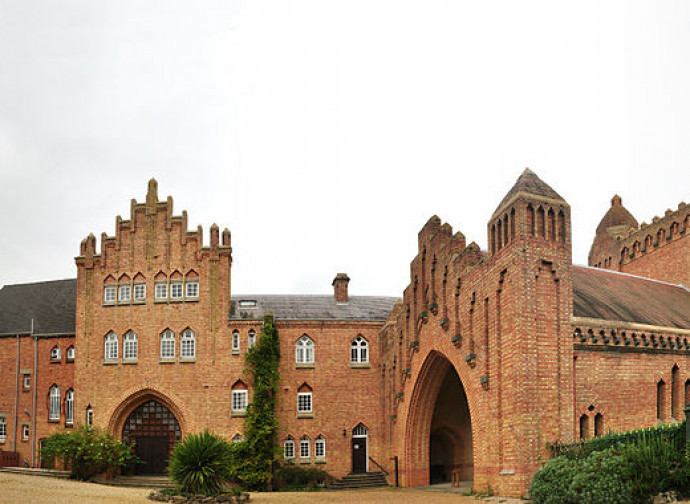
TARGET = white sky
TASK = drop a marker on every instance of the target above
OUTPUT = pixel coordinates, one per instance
(324, 134)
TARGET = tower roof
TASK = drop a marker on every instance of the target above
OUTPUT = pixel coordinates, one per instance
(617, 215)
(529, 184)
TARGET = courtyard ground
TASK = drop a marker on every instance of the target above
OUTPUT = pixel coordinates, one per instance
(17, 488)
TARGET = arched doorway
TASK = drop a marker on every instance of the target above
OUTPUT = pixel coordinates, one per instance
(360, 449)
(155, 430)
(438, 434)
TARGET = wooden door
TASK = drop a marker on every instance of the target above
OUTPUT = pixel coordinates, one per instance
(359, 454)
(153, 450)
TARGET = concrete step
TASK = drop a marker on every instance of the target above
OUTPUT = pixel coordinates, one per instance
(36, 472)
(137, 481)
(360, 480)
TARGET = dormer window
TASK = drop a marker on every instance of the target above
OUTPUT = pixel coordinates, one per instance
(55, 353)
(247, 303)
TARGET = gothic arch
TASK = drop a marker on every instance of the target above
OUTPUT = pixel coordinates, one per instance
(420, 416)
(138, 398)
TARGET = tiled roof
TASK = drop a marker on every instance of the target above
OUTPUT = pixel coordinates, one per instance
(529, 183)
(52, 305)
(609, 295)
(301, 307)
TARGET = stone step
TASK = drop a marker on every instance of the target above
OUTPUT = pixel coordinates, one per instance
(36, 472)
(360, 480)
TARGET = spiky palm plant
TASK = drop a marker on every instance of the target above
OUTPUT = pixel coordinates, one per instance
(200, 464)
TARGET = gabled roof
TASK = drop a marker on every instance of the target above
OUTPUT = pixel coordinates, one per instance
(302, 307)
(608, 295)
(530, 184)
(52, 305)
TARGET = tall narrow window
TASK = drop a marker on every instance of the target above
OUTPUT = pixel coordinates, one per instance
(320, 447)
(687, 392)
(288, 448)
(54, 410)
(584, 427)
(188, 344)
(69, 407)
(304, 351)
(69, 356)
(110, 352)
(89, 415)
(3, 428)
(598, 425)
(235, 341)
(168, 344)
(661, 401)
(359, 350)
(675, 394)
(130, 346)
(252, 338)
(55, 353)
(304, 447)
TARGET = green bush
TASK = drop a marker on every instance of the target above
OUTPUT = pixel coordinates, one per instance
(201, 463)
(293, 477)
(551, 483)
(600, 479)
(88, 451)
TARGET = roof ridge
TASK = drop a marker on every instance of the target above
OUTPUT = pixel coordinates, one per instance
(655, 280)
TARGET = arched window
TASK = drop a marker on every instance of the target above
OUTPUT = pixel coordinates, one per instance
(320, 447)
(289, 448)
(661, 401)
(304, 400)
(54, 409)
(130, 346)
(69, 355)
(240, 397)
(89, 415)
(188, 344)
(69, 407)
(584, 426)
(55, 353)
(237, 438)
(304, 351)
(110, 352)
(675, 394)
(304, 447)
(598, 425)
(168, 344)
(252, 338)
(235, 341)
(359, 350)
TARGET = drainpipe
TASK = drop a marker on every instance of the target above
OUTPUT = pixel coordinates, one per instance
(16, 397)
(33, 405)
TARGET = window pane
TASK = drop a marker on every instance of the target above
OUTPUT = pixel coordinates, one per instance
(176, 290)
(109, 294)
(124, 294)
(140, 291)
(161, 291)
(192, 289)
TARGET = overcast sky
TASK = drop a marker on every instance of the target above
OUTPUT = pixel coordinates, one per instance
(325, 134)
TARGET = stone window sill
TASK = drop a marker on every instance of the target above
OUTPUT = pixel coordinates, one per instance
(55, 361)
(305, 415)
(235, 352)
(54, 420)
(238, 414)
(111, 362)
(166, 360)
(305, 365)
(360, 365)
(320, 461)
(130, 361)
(187, 360)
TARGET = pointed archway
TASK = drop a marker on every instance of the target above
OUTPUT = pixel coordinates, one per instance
(438, 434)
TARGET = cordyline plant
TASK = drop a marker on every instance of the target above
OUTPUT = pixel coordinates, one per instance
(201, 463)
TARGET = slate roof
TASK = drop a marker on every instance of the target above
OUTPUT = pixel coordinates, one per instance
(302, 307)
(529, 183)
(52, 305)
(609, 295)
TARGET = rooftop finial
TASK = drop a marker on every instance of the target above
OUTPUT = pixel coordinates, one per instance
(152, 194)
(616, 201)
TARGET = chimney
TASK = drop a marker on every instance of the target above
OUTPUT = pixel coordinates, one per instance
(340, 287)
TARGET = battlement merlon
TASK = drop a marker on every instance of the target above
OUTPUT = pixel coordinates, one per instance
(679, 217)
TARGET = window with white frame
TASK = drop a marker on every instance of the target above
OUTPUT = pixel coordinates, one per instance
(54, 410)
(320, 447)
(69, 407)
(176, 289)
(192, 289)
(359, 350)
(124, 293)
(252, 338)
(3, 428)
(139, 291)
(25, 432)
(239, 401)
(235, 341)
(187, 344)
(27, 381)
(304, 350)
(289, 448)
(304, 447)
(109, 293)
(70, 353)
(55, 353)
(237, 438)
(89, 415)
(304, 402)
(110, 352)
(130, 346)
(168, 344)
(161, 290)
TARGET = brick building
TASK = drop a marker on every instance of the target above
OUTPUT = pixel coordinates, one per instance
(488, 356)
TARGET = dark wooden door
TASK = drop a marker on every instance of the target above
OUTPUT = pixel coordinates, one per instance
(153, 450)
(359, 454)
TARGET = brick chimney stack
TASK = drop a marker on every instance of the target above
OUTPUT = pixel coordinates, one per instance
(340, 287)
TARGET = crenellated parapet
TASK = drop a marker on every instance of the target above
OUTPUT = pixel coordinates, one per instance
(613, 336)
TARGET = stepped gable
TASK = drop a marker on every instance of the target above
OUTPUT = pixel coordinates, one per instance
(305, 307)
(529, 184)
(51, 304)
(608, 295)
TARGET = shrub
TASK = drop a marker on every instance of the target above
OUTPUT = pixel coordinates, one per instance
(551, 483)
(88, 451)
(600, 479)
(201, 463)
(292, 477)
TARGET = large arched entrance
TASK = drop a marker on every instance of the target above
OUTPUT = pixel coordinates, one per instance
(439, 429)
(155, 431)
